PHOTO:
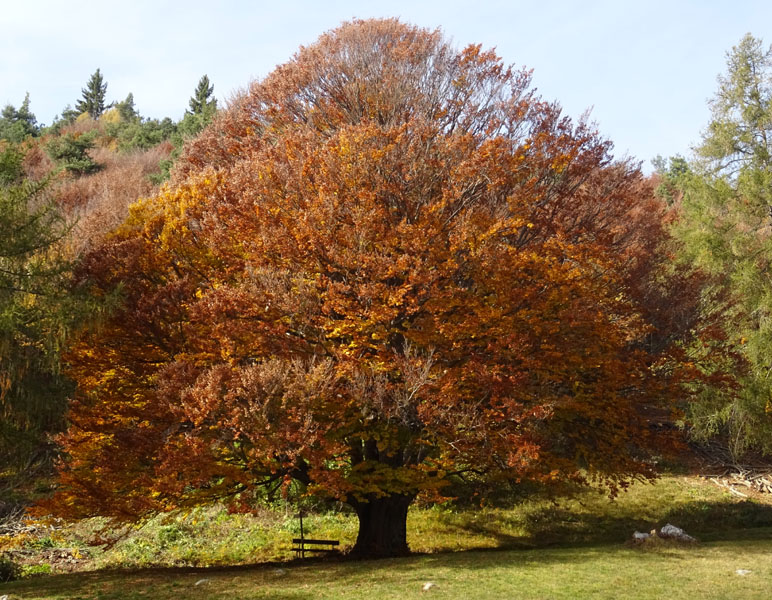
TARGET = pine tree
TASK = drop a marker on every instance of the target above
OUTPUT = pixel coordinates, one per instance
(93, 101)
(726, 232)
(36, 311)
(127, 110)
(739, 136)
(202, 102)
(18, 124)
(202, 109)
(71, 151)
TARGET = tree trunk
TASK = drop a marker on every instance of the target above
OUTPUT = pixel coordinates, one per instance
(382, 526)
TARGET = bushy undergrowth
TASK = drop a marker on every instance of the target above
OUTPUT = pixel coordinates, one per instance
(9, 569)
(208, 536)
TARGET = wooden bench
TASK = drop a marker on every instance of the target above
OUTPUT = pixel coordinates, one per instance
(300, 545)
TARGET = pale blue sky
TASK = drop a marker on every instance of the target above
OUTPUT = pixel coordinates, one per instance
(645, 68)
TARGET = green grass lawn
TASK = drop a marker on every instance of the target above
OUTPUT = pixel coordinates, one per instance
(534, 548)
(596, 571)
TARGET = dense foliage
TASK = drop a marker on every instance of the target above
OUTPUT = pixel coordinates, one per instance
(726, 231)
(386, 266)
(61, 189)
(17, 124)
(36, 311)
(71, 151)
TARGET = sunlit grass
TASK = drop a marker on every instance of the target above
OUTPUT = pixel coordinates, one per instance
(598, 571)
(577, 547)
(211, 536)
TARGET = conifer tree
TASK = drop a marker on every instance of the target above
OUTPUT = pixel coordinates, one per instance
(72, 152)
(126, 109)
(93, 101)
(202, 101)
(726, 231)
(36, 311)
(18, 124)
(202, 109)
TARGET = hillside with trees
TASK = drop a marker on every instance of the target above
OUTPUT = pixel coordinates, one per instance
(62, 189)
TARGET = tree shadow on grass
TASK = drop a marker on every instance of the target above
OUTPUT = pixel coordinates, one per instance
(192, 583)
(287, 581)
(722, 520)
(552, 527)
(560, 526)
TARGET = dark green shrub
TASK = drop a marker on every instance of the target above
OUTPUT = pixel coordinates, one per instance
(71, 152)
(9, 570)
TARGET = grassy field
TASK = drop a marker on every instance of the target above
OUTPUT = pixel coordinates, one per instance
(596, 571)
(535, 549)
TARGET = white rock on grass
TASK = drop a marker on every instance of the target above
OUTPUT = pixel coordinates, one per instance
(676, 533)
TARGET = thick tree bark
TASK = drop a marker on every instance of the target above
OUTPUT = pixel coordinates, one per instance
(382, 526)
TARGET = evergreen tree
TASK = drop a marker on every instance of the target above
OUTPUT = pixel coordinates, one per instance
(739, 136)
(144, 133)
(726, 231)
(71, 152)
(202, 110)
(68, 116)
(202, 102)
(36, 311)
(127, 109)
(18, 124)
(93, 101)
(11, 166)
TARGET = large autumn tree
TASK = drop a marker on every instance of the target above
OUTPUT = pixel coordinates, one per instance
(387, 265)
